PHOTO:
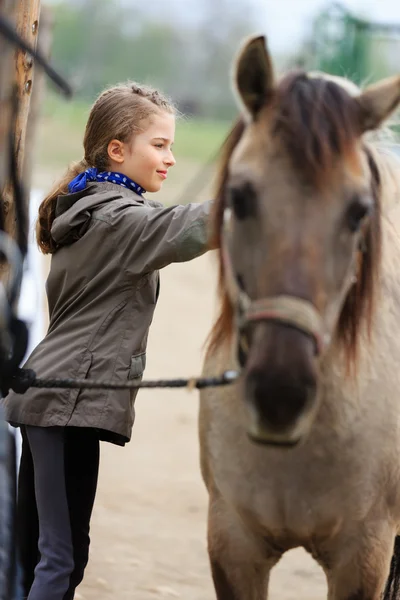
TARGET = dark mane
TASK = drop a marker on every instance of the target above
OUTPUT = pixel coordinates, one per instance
(360, 302)
(317, 122)
(222, 329)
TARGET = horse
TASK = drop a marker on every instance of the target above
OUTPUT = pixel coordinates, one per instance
(303, 449)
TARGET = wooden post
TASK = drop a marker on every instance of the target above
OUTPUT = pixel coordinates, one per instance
(44, 44)
(7, 9)
(27, 25)
(28, 28)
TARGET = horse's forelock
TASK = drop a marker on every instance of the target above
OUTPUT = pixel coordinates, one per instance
(317, 121)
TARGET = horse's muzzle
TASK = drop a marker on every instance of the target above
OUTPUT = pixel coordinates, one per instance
(280, 385)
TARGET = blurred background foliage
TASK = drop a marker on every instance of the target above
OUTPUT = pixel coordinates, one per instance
(101, 42)
(186, 50)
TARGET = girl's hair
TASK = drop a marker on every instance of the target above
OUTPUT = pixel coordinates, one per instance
(116, 114)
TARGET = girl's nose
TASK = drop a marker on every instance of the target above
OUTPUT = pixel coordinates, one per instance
(170, 159)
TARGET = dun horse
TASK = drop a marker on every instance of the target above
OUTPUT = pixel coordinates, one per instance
(304, 449)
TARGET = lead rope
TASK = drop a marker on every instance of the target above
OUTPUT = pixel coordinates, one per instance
(26, 378)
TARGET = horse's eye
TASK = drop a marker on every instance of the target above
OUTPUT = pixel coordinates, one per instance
(356, 213)
(243, 201)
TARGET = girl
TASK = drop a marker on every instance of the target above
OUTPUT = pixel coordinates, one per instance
(107, 243)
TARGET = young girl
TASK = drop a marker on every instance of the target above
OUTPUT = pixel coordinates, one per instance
(107, 243)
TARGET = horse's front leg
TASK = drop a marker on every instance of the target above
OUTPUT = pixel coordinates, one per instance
(240, 563)
(358, 566)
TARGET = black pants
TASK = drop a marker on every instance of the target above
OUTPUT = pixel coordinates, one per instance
(67, 462)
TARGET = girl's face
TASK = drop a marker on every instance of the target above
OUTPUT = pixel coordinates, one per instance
(148, 156)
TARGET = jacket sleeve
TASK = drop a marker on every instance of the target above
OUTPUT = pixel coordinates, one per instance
(154, 237)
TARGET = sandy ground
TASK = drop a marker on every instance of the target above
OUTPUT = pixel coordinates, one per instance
(149, 522)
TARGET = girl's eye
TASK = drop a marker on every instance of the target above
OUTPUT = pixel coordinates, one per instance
(159, 145)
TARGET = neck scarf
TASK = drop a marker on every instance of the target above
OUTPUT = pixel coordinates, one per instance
(80, 182)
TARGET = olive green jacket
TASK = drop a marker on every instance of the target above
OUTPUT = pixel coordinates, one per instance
(102, 290)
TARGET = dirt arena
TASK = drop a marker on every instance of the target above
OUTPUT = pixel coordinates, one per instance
(149, 522)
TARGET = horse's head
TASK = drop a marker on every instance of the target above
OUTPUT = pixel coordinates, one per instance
(298, 223)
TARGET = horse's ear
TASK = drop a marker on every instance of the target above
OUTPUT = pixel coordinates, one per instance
(253, 75)
(378, 102)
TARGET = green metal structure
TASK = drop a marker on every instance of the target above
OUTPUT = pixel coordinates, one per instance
(361, 50)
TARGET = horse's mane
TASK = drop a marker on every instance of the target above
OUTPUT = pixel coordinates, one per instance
(316, 118)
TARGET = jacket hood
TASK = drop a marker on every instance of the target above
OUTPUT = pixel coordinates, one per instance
(74, 211)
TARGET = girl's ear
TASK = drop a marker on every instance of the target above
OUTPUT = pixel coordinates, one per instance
(116, 151)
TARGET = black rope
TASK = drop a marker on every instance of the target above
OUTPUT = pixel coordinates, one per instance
(23, 379)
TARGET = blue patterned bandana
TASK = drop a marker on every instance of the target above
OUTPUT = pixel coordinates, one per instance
(80, 182)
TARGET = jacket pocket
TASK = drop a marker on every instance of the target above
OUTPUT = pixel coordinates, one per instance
(137, 366)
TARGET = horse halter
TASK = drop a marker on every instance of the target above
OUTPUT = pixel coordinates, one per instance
(286, 309)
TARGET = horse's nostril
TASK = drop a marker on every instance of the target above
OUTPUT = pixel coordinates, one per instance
(279, 398)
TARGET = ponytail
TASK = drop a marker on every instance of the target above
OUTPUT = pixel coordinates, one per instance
(47, 209)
